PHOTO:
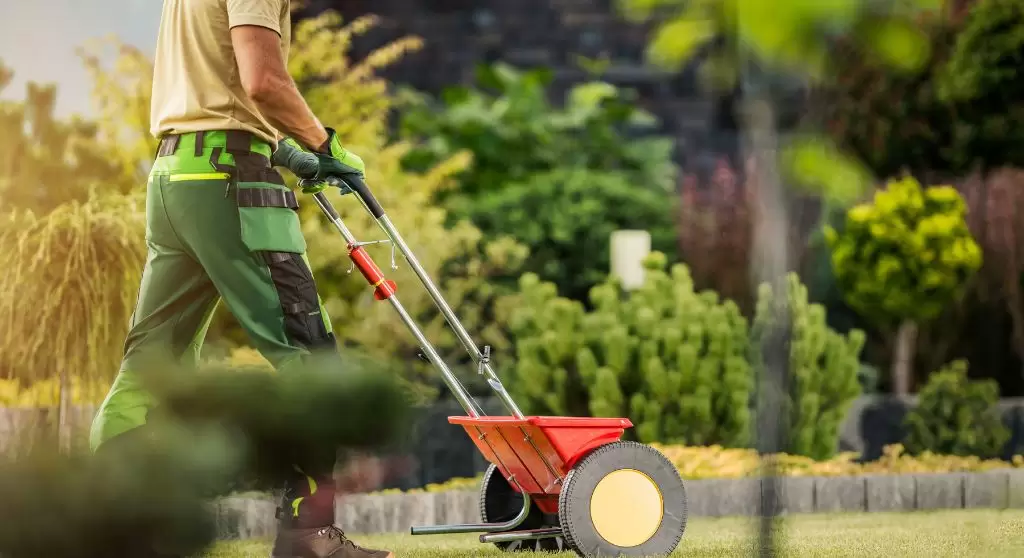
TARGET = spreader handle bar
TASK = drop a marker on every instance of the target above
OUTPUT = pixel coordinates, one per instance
(359, 187)
(458, 390)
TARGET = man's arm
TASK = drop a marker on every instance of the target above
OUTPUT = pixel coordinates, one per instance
(265, 78)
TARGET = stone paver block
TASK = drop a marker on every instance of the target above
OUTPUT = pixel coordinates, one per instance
(724, 497)
(361, 514)
(416, 510)
(989, 489)
(796, 495)
(345, 512)
(890, 493)
(245, 518)
(462, 506)
(840, 494)
(940, 491)
(390, 512)
(700, 497)
(1015, 498)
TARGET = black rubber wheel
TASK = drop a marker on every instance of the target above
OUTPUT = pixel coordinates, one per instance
(499, 502)
(623, 499)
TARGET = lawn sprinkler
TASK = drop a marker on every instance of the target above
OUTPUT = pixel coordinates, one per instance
(553, 482)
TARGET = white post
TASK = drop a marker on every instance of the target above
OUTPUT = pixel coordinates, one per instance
(628, 250)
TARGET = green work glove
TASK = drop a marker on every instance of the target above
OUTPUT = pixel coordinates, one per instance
(337, 162)
(290, 155)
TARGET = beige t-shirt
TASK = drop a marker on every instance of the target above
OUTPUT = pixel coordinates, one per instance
(196, 86)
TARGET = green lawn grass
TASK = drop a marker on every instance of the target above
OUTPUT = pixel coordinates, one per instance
(971, 534)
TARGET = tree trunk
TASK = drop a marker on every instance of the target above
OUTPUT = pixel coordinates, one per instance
(903, 357)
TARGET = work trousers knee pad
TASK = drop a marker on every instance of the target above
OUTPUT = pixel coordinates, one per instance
(304, 321)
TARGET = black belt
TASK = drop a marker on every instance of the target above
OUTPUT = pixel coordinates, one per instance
(249, 167)
(238, 142)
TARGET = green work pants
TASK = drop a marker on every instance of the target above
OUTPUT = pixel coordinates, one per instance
(221, 225)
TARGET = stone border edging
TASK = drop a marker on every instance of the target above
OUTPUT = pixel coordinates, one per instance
(253, 517)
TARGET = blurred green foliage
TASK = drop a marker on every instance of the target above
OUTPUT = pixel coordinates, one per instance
(142, 499)
(957, 416)
(671, 359)
(328, 401)
(787, 34)
(787, 38)
(895, 120)
(545, 174)
(824, 368)
(983, 73)
(46, 161)
(148, 491)
(955, 113)
(906, 255)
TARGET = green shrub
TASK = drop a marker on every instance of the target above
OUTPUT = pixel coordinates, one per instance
(567, 216)
(539, 170)
(671, 359)
(823, 369)
(957, 416)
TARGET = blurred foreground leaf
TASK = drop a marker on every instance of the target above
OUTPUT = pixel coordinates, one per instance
(795, 40)
(820, 167)
(147, 493)
(328, 402)
(139, 499)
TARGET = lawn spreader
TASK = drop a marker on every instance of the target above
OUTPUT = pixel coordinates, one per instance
(553, 482)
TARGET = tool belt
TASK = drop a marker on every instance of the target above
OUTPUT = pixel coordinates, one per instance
(250, 166)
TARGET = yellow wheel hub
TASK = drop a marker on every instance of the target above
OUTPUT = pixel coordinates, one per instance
(626, 508)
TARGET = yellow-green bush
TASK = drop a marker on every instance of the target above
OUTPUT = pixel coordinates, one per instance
(717, 462)
(907, 254)
(901, 259)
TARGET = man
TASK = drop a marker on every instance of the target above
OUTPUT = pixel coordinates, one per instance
(221, 225)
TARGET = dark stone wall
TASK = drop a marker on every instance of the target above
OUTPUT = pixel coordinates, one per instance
(459, 34)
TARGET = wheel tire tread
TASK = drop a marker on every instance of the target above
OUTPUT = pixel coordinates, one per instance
(565, 502)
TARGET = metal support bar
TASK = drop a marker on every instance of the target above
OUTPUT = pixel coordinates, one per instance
(525, 535)
(477, 527)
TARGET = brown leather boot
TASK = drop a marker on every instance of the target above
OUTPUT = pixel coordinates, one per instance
(325, 542)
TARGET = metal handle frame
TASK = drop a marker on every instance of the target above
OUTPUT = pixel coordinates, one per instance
(481, 358)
